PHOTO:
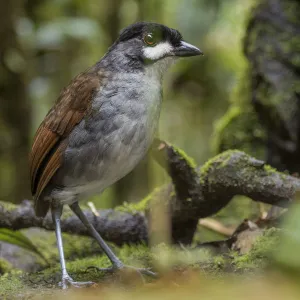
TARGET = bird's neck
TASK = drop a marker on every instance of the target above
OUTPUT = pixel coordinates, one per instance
(159, 68)
(120, 63)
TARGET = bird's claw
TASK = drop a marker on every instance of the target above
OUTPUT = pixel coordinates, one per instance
(68, 281)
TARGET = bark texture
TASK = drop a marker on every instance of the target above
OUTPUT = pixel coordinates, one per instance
(263, 119)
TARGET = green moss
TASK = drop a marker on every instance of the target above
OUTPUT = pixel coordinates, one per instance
(74, 246)
(16, 282)
(23, 285)
(5, 266)
(205, 169)
(248, 169)
(221, 159)
(11, 284)
(219, 262)
(8, 205)
(261, 253)
(189, 160)
(78, 270)
(270, 169)
(140, 206)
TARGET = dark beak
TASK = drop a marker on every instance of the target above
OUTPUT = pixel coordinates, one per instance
(185, 49)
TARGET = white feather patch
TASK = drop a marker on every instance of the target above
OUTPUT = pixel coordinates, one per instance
(158, 51)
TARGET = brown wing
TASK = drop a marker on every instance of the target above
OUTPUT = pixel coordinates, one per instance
(50, 140)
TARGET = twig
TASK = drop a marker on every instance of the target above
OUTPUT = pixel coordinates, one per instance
(217, 226)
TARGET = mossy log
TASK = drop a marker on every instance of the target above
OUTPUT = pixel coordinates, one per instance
(193, 194)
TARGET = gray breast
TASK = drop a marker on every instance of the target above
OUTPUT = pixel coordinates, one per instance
(113, 138)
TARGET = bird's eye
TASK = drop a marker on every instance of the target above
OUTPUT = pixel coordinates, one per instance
(149, 39)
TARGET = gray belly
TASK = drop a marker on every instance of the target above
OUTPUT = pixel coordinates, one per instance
(106, 145)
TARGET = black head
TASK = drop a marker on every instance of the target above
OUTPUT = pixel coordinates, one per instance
(151, 42)
(151, 33)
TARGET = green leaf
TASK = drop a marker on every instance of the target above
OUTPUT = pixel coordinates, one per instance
(19, 239)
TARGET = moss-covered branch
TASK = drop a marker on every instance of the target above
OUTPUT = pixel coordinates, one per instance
(192, 195)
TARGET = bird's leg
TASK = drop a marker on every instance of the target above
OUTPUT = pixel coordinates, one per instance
(116, 263)
(66, 278)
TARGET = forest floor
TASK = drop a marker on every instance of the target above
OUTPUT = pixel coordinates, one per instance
(183, 272)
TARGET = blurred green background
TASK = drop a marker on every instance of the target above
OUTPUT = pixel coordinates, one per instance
(44, 43)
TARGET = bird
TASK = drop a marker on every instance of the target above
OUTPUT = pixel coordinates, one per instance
(100, 127)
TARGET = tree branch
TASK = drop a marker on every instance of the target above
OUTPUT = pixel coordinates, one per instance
(192, 195)
(115, 226)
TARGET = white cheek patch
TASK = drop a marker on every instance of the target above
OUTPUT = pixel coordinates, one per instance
(158, 51)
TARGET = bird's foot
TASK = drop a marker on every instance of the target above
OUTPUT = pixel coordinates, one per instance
(67, 281)
(120, 268)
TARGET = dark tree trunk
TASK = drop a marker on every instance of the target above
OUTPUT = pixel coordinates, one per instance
(264, 118)
(272, 46)
(15, 109)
